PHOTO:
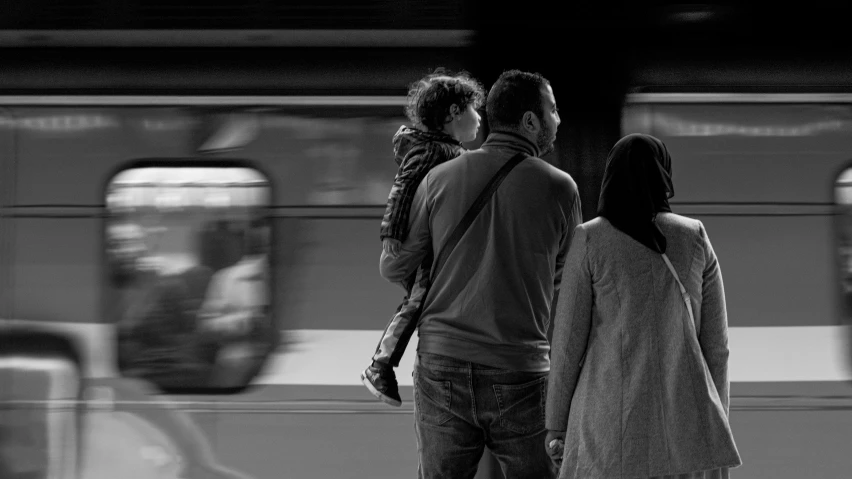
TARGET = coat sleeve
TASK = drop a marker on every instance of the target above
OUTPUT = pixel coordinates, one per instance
(572, 323)
(419, 161)
(713, 330)
(416, 245)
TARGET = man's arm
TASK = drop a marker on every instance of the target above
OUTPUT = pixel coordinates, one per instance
(417, 243)
(573, 218)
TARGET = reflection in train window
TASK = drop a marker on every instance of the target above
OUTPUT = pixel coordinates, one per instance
(188, 251)
(843, 200)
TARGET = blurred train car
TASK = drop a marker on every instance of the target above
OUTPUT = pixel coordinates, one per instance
(98, 191)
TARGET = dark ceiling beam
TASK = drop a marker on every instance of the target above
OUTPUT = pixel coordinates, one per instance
(249, 38)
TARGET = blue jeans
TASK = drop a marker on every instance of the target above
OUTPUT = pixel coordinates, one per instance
(461, 407)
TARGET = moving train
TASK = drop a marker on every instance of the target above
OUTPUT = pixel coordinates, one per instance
(92, 181)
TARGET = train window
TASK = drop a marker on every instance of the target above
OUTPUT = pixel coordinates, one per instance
(843, 200)
(843, 228)
(188, 260)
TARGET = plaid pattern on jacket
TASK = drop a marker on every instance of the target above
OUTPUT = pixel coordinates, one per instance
(416, 152)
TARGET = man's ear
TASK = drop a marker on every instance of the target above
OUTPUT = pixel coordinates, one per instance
(530, 122)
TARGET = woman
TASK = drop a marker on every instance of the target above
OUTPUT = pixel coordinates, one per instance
(638, 388)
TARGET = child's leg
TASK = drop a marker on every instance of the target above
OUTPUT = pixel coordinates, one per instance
(379, 377)
(384, 357)
(403, 324)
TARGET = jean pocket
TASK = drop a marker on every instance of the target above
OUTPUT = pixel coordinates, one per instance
(522, 406)
(432, 399)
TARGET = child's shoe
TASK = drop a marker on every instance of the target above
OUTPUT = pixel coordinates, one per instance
(381, 381)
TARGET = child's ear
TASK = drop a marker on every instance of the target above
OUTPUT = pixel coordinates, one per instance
(455, 110)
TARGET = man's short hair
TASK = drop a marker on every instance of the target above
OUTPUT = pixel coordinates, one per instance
(512, 95)
(430, 98)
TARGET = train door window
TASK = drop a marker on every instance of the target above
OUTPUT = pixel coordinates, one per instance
(188, 274)
(843, 228)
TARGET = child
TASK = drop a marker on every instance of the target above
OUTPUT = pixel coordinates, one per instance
(442, 107)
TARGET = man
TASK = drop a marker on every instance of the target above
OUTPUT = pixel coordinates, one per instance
(127, 253)
(239, 293)
(236, 308)
(153, 323)
(483, 356)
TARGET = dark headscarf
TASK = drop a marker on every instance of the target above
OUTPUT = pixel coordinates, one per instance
(637, 185)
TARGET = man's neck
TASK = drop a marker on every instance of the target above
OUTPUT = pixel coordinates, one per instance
(515, 137)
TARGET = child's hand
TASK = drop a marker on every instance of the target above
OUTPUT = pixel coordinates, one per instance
(391, 247)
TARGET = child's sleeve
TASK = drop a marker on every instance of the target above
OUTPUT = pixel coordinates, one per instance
(413, 169)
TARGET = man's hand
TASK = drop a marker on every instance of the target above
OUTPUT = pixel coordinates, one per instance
(391, 247)
(554, 444)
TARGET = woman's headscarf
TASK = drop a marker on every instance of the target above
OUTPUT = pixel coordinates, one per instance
(637, 185)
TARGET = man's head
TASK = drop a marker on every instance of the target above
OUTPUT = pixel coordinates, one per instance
(126, 250)
(523, 103)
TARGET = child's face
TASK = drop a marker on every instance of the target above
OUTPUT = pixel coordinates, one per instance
(468, 124)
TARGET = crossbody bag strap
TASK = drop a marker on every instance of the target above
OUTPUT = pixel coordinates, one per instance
(683, 291)
(474, 210)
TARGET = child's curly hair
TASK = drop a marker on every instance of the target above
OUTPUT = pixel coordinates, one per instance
(430, 98)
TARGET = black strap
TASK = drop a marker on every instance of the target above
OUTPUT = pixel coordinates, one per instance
(474, 210)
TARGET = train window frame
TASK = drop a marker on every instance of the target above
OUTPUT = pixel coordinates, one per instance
(266, 212)
(843, 315)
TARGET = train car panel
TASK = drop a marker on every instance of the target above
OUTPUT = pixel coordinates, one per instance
(726, 153)
(57, 258)
(66, 155)
(775, 271)
(763, 173)
(328, 156)
(337, 284)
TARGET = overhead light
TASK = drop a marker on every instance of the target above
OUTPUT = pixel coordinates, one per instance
(692, 13)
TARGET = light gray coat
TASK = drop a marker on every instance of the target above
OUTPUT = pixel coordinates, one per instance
(651, 396)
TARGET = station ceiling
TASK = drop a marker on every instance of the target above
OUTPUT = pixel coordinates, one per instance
(389, 23)
(399, 14)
